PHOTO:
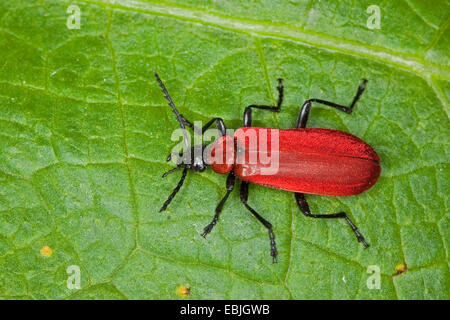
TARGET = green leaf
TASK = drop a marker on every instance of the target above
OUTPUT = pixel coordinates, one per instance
(85, 131)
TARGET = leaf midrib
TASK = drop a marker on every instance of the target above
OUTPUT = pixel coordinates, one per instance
(280, 30)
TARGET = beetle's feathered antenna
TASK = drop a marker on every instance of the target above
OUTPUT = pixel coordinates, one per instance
(175, 191)
(174, 109)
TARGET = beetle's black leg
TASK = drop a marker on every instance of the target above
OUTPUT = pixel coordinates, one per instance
(306, 108)
(230, 186)
(189, 124)
(175, 191)
(304, 208)
(170, 171)
(220, 126)
(267, 224)
(219, 122)
(248, 111)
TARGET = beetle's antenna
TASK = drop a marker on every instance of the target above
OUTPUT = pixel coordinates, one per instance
(175, 191)
(170, 171)
(174, 109)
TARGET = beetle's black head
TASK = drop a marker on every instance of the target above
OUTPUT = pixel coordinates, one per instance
(193, 159)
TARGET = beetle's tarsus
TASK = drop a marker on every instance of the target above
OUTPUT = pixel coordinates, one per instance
(361, 239)
(207, 229)
(358, 234)
(274, 254)
(280, 84)
(273, 246)
(362, 87)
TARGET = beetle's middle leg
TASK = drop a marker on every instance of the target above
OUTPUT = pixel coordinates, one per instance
(306, 108)
(267, 224)
(304, 208)
(248, 111)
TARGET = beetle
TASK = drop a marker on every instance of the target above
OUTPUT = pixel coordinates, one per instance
(309, 160)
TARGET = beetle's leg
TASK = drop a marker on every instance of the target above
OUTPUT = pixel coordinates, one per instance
(220, 126)
(188, 123)
(306, 108)
(304, 208)
(277, 108)
(230, 186)
(267, 224)
(175, 191)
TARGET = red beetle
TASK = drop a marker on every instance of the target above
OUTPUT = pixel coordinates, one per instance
(302, 160)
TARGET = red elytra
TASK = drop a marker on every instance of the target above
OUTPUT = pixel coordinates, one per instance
(310, 160)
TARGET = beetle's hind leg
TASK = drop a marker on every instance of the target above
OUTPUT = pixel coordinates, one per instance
(267, 224)
(304, 208)
(248, 111)
(306, 108)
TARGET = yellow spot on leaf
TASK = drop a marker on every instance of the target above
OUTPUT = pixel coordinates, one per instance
(401, 268)
(183, 291)
(46, 251)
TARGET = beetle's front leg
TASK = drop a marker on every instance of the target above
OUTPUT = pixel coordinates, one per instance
(220, 126)
(304, 208)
